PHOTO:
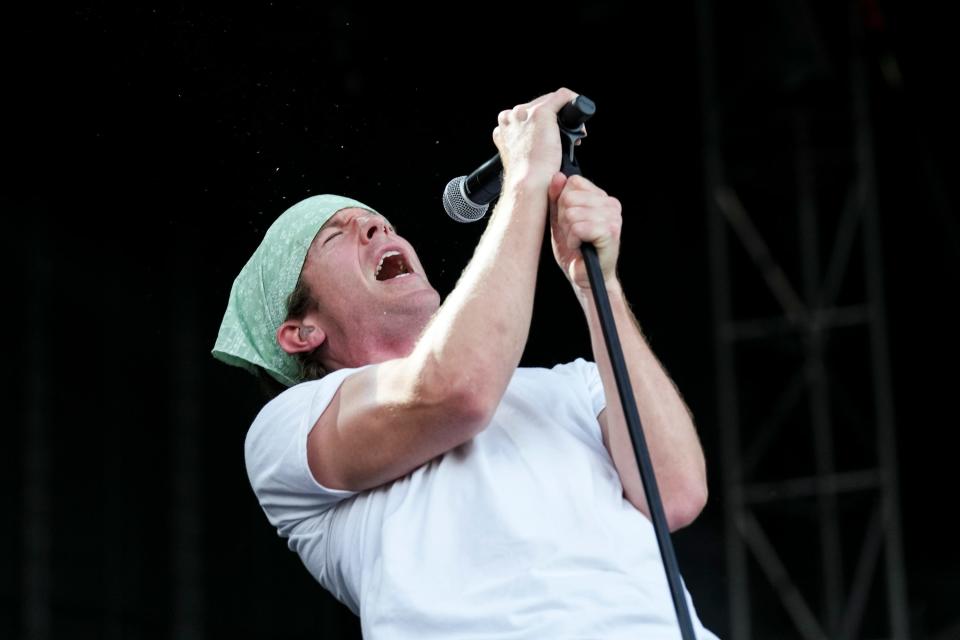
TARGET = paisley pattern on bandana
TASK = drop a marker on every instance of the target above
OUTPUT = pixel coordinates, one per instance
(258, 299)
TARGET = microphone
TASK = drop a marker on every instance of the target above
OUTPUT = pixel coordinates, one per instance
(467, 198)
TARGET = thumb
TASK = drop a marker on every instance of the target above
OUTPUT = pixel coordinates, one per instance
(557, 182)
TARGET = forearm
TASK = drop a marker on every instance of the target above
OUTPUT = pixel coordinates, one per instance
(668, 428)
(387, 420)
(478, 335)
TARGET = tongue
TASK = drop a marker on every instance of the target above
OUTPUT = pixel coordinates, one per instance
(392, 267)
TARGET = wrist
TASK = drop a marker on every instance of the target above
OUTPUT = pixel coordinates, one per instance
(612, 284)
(522, 178)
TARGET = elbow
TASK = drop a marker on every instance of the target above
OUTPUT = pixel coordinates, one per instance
(683, 509)
(462, 400)
(472, 405)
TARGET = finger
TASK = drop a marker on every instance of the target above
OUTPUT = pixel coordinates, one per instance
(559, 99)
(607, 211)
(585, 184)
(574, 202)
(598, 231)
(557, 183)
(553, 101)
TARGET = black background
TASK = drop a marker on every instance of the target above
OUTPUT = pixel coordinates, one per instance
(147, 149)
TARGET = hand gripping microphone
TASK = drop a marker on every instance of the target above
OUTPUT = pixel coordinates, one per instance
(467, 198)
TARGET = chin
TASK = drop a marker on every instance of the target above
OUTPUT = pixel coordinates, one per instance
(427, 298)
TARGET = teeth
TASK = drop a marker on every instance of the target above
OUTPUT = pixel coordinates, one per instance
(380, 264)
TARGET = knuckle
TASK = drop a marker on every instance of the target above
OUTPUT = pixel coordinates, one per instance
(541, 115)
(580, 227)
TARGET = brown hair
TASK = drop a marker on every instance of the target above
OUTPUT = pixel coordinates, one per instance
(299, 303)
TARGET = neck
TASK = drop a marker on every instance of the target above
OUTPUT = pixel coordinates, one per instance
(391, 338)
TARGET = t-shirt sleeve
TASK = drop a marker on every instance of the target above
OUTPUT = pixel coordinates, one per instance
(587, 374)
(276, 454)
(584, 377)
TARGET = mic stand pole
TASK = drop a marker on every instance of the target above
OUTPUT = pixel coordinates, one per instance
(571, 119)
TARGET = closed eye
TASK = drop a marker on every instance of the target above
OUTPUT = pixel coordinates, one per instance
(332, 236)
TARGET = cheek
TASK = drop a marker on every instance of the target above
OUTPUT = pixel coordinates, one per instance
(416, 261)
(340, 271)
(347, 293)
(345, 309)
(341, 288)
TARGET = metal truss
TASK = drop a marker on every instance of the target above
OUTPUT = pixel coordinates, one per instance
(822, 590)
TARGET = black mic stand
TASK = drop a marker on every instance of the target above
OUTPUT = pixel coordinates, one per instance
(571, 119)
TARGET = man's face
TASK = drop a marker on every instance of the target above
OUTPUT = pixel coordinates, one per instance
(369, 283)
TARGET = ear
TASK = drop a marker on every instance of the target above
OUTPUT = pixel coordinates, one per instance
(299, 336)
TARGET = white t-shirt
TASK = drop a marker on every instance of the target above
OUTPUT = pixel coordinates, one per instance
(522, 532)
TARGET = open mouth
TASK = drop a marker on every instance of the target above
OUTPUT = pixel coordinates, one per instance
(392, 265)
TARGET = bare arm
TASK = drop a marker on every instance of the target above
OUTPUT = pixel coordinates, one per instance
(393, 417)
(584, 213)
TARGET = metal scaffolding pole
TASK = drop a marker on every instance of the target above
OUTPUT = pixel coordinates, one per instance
(809, 317)
(882, 393)
(724, 356)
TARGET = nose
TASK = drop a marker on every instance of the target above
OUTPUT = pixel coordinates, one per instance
(369, 227)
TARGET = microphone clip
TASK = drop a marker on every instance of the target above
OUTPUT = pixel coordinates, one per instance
(467, 198)
(571, 120)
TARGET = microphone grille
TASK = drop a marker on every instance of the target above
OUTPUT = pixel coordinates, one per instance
(458, 206)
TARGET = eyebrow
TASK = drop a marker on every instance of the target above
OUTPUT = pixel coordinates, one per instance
(338, 222)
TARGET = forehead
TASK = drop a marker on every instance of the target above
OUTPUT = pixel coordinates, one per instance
(345, 215)
(338, 220)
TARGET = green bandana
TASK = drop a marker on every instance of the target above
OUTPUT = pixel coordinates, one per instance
(258, 299)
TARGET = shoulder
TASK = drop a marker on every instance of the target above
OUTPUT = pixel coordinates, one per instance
(579, 378)
(297, 408)
(579, 368)
(579, 373)
(275, 449)
(571, 392)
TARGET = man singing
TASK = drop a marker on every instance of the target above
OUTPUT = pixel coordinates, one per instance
(431, 485)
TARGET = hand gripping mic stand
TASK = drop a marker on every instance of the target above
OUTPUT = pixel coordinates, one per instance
(571, 119)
